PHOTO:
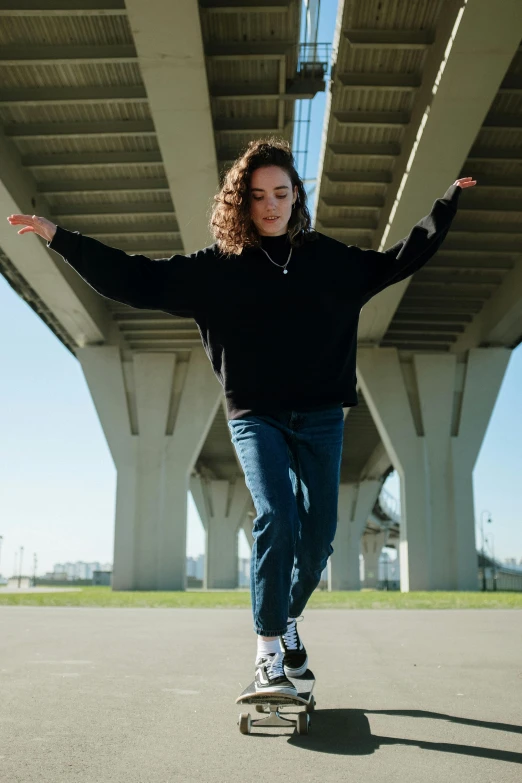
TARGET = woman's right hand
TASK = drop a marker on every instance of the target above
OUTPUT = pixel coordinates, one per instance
(38, 225)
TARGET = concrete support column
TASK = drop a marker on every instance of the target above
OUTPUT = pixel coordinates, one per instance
(222, 506)
(355, 504)
(248, 524)
(155, 412)
(372, 544)
(432, 411)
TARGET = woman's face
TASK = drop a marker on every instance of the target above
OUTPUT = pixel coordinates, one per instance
(271, 199)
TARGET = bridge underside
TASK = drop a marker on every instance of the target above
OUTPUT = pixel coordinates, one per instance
(118, 119)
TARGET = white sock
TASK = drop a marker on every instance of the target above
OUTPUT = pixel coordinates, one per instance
(267, 648)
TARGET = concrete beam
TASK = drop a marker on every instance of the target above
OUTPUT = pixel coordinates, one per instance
(250, 50)
(80, 311)
(67, 54)
(499, 323)
(389, 39)
(296, 89)
(506, 154)
(407, 82)
(90, 160)
(361, 177)
(153, 227)
(36, 96)
(115, 209)
(511, 85)
(244, 6)
(367, 150)
(132, 185)
(359, 202)
(169, 45)
(464, 70)
(62, 8)
(247, 125)
(372, 119)
(79, 130)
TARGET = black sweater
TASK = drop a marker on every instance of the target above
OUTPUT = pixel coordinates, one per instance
(275, 341)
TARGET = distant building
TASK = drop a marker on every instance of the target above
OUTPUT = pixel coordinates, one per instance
(58, 576)
(79, 570)
(388, 569)
(196, 566)
(15, 581)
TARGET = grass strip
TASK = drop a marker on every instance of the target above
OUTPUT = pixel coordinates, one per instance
(240, 599)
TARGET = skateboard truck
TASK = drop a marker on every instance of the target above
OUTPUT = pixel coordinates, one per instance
(271, 703)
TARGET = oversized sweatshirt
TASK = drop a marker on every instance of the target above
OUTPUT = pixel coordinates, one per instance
(275, 341)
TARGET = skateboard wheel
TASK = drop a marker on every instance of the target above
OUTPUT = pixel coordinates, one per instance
(311, 705)
(303, 723)
(245, 723)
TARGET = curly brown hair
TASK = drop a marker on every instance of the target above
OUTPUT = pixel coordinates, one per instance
(230, 221)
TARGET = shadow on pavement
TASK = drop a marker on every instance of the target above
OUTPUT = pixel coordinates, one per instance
(347, 732)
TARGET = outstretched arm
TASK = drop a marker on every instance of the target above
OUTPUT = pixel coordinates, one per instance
(176, 284)
(382, 269)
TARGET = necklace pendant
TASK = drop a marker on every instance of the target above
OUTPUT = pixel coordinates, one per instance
(285, 272)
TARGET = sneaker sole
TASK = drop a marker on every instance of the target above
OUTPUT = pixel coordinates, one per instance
(281, 691)
(296, 672)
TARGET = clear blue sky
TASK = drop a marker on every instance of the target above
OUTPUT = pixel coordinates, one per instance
(58, 481)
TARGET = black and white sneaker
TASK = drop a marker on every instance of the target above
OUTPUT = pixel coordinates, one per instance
(270, 675)
(295, 659)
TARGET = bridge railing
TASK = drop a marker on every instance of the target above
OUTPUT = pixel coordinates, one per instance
(499, 578)
(314, 60)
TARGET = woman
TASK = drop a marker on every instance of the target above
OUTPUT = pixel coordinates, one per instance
(277, 305)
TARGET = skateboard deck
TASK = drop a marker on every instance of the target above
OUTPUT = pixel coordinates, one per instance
(270, 703)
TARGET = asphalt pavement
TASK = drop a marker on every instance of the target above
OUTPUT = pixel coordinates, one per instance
(148, 696)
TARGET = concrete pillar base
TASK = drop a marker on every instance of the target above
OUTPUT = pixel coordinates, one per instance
(355, 504)
(222, 506)
(432, 411)
(155, 412)
(372, 544)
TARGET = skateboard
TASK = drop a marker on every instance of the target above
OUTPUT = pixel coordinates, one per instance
(270, 704)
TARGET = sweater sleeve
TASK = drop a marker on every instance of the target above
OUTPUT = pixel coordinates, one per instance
(382, 269)
(176, 285)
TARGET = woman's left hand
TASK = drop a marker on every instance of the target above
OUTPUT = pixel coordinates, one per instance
(465, 182)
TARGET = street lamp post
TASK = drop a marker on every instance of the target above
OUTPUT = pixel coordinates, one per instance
(494, 565)
(491, 541)
(485, 511)
(21, 558)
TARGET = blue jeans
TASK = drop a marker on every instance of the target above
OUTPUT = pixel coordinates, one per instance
(292, 462)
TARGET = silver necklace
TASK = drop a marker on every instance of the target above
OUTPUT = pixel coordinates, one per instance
(285, 270)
